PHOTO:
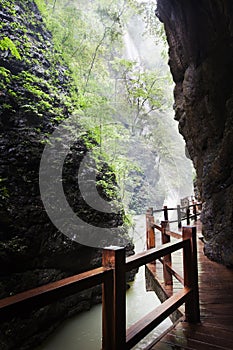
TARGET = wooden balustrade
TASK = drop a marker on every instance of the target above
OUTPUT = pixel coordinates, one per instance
(183, 213)
(112, 276)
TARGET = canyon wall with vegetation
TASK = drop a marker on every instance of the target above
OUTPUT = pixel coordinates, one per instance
(200, 37)
(36, 93)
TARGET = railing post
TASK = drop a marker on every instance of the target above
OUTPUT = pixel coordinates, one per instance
(114, 257)
(194, 211)
(107, 310)
(192, 310)
(167, 258)
(179, 216)
(199, 206)
(165, 211)
(188, 215)
(150, 231)
(149, 212)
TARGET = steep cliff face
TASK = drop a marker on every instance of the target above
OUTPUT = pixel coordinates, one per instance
(35, 94)
(200, 37)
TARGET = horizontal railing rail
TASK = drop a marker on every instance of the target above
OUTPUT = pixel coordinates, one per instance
(143, 258)
(49, 293)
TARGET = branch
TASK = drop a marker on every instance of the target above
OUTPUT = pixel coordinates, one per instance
(94, 58)
(99, 45)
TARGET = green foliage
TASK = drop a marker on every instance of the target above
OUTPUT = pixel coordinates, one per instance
(7, 44)
(9, 5)
(89, 36)
(5, 74)
(115, 99)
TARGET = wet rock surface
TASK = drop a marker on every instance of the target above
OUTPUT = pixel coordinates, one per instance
(200, 37)
(35, 95)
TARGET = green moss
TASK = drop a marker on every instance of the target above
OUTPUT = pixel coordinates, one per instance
(5, 74)
(12, 93)
(35, 91)
(6, 106)
(27, 92)
(7, 44)
(9, 5)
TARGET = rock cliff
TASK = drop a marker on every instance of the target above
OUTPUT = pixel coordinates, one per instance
(200, 38)
(35, 94)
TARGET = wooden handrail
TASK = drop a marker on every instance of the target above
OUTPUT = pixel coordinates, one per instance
(112, 276)
(146, 324)
(174, 234)
(49, 293)
(157, 227)
(137, 260)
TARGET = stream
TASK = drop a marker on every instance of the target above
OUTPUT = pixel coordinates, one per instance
(84, 330)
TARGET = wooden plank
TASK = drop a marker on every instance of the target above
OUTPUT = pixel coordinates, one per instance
(151, 233)
(192, 311)
(165, 212)
(167, 258)
(174, 273)
(165, 346)
(141, 328)
(52, 292)
(107, 306)
(145, 257)
(188, 343)
(174, 234)
(205, 334)
(159, 228)
(179, 216)
(163, 292)
(188, 215)
(114, 257)
(216, 294)
(120, 299)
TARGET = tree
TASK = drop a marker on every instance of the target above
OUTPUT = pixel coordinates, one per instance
(141, 90)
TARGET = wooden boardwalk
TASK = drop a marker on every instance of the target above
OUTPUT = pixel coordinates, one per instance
(216, 306)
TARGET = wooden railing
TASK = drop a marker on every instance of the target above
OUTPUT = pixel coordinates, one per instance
(112, 276)
(162, 284)
(188, 212)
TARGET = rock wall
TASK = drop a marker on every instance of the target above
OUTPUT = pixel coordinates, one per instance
(200, 38)
(35, 95)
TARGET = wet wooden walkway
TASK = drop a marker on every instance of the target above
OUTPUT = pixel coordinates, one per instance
(216, 305)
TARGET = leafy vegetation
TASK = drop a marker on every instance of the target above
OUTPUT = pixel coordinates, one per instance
(114, 97)
(7, 44)
(120, 101)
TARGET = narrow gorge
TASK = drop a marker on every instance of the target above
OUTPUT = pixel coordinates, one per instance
(39, 90)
